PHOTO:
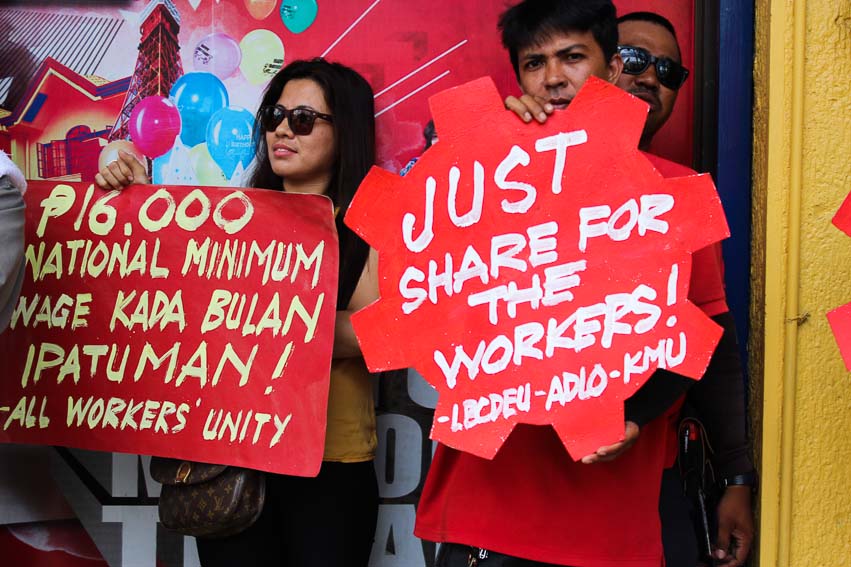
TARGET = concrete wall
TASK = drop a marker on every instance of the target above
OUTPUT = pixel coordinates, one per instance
(802, 269)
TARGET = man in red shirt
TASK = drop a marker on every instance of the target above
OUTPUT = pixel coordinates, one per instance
(532, 505)
(653, 72)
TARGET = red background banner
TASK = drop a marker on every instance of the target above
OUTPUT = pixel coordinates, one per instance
(407, 50)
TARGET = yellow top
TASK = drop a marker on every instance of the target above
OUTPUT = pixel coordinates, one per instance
(350, 436)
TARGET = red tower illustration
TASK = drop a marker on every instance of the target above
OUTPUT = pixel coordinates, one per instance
(158, 65)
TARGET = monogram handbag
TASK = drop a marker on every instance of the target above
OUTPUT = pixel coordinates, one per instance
(204, 500)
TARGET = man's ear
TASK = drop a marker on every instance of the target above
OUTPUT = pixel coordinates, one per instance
(615, 68)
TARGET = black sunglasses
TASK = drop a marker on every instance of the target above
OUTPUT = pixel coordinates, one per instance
(300, 119)
(636, 60)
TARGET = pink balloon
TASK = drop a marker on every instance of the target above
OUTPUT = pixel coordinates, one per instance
(219, 54)
(154, 125)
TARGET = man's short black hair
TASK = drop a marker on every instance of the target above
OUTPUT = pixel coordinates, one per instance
(653, 18)
(533, 21)
(429, 133)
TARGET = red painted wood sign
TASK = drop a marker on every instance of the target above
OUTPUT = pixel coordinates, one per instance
(840, 318)
(840, 326)
(174, 321)
(535, 273)
(842, 218)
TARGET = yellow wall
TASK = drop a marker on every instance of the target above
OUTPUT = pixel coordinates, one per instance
(802, 266)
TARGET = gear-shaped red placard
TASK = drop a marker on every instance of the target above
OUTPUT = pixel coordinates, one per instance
(840, 318)
(535, 273)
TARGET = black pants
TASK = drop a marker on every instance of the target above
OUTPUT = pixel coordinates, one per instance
(678, 517)
(306, 522)
(456, 555)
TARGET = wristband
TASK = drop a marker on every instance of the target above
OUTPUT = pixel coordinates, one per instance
(746, 479)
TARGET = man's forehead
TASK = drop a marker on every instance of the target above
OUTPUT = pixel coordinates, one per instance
(556, 40)
(649, 35)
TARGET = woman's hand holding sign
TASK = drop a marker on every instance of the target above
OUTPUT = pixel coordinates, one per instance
(120, 173)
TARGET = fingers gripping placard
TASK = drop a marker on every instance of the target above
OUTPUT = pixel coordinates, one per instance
(535, 273)
(194, 323)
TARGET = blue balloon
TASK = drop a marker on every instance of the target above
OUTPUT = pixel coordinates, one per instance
(298, 15)
(159, 168)
(197, 96)
(230, 138)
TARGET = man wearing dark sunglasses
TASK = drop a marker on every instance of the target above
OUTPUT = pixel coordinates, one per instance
(653, 73)
(652, 68)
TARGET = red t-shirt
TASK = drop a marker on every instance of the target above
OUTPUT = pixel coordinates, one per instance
(706, 290)
(533, 501)
(706, 287)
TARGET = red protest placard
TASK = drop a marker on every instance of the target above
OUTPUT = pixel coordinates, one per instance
(535, 273)
(842, 218)
(174, 321)
(840, 325)
(840, 318)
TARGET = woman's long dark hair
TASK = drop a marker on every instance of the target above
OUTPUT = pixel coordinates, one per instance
(351, 101)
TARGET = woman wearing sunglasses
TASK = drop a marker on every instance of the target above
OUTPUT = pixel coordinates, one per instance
(315, 133)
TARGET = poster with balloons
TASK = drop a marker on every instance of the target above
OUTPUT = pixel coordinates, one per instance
(199, 57)
(177, 83)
